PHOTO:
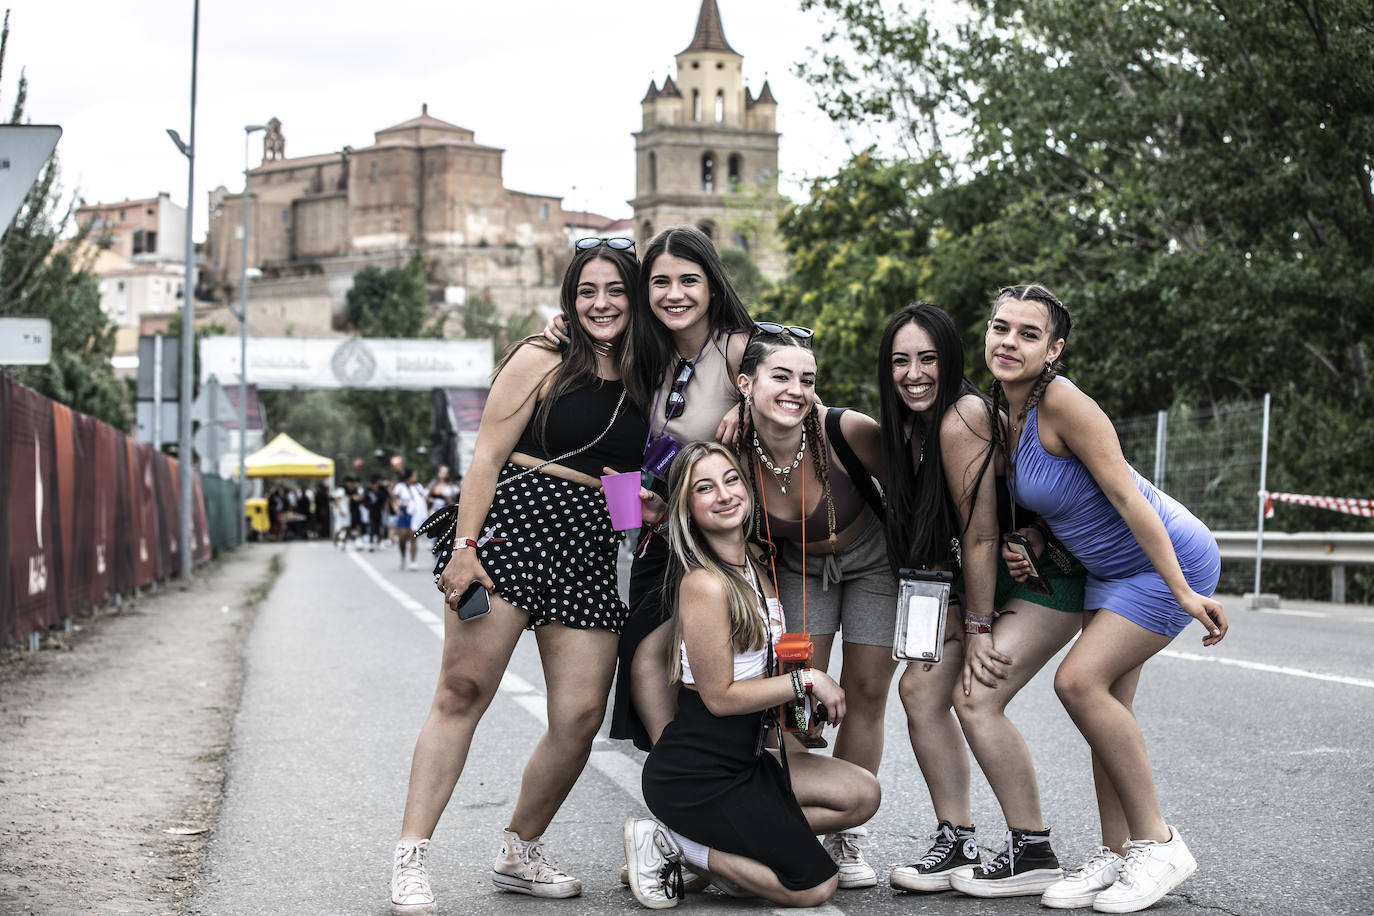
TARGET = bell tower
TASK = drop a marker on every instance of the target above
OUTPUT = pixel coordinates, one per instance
(707, 151)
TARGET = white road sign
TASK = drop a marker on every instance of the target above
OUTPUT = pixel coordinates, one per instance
(23, 150)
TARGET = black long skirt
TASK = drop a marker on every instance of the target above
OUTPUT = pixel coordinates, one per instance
(648, 611)
(707, 780)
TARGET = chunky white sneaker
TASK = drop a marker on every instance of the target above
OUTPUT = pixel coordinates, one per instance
(522, 869)
(1149, 871)
(844, 848)
(1082, 885)
(1025, 867)
(410, 893)
(655, 863)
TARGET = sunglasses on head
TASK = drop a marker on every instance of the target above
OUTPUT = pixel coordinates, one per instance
(619, 244)
(677, 400)
(772, 327)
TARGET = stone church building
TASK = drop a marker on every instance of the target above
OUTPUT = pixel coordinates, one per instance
(707, 153)
(424, 184)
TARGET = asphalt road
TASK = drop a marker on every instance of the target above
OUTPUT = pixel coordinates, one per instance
(1260, 748)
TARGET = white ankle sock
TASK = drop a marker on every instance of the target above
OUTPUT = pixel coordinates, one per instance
(694, 854)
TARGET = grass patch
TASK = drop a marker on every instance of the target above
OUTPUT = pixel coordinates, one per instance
(258, 592)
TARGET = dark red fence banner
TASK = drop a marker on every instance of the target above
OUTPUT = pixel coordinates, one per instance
(6, 591)
(31, 514)
(87, 513)
(143, 538)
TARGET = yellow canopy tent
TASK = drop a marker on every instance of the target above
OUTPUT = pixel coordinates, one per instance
(285, 457)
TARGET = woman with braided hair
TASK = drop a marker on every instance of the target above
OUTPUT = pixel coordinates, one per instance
(1152, 567)
(833, 555)
(945, 512)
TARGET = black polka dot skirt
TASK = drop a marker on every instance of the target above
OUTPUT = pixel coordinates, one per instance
(558, 560)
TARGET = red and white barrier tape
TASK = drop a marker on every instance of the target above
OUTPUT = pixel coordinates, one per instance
(1362, 507)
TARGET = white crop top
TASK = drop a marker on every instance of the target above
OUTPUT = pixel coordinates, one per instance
(751, 663)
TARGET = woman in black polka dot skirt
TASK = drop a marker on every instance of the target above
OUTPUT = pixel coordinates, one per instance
(533, 531)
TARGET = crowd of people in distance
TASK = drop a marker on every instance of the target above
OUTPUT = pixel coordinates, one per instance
(384, 512)
(782, 535)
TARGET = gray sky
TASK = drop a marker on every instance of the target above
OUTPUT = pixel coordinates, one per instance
(556, 83)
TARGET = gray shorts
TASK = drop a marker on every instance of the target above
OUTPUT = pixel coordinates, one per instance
(853, 591)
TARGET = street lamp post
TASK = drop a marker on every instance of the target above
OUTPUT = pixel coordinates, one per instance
(188, 321)
(248, 131)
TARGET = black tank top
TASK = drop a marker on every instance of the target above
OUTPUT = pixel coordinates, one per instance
(579, 417)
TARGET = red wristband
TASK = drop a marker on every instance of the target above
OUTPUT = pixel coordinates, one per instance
(464, 544)
(807, 681)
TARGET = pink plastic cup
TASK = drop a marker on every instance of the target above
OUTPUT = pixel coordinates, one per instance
(622, 499)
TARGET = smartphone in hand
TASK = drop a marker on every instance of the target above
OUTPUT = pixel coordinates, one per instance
(1037, 581)
(474, 603)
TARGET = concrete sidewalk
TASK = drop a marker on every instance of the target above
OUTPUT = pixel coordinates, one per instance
(112, 744)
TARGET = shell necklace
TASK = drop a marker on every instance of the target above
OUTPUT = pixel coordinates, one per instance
(784, 475)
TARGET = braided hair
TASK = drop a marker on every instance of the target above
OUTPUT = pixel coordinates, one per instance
(1060, 323)
(760, 345)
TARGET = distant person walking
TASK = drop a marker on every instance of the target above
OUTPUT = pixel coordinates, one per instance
(410, 500)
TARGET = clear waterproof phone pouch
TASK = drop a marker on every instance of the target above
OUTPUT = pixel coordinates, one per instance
(922, 602)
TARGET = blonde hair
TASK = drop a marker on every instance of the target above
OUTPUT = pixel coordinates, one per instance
(689, 550)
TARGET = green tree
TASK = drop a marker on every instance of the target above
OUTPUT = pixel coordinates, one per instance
(1202, 173)
(392, 303)
(43, 274)
(482, 319)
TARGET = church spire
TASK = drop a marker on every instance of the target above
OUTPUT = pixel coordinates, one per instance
(710, 34)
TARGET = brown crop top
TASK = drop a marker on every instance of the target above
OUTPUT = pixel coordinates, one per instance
(849, 505)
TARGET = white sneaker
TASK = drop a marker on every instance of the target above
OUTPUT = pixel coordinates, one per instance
(1082, 885)
(1149, 871)
(655, 863)
(410, 893)
(844, 849)
(522, 869)
(414, 566)
(692, 883)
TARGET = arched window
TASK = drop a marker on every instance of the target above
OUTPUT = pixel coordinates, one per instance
(736, 169)
(653, 171)
(696, 105)
(709, 228)
(720, 105)
(708, 172)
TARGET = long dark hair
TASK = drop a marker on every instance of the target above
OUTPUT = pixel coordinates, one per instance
(651, 342)
(922, 514)
(760, 346)
(577, 369)
(1060, 323)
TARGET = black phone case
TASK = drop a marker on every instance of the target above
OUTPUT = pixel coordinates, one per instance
(474, 603)
(1037, 581)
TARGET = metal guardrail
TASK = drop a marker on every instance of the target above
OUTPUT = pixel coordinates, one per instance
(1337, 549)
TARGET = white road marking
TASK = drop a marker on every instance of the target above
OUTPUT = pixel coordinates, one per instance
(1270, 669)
(619, 768)
(1285, 613)
(423, 614)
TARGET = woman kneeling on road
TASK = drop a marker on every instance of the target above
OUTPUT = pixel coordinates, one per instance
(547, 556)
(725, 805)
